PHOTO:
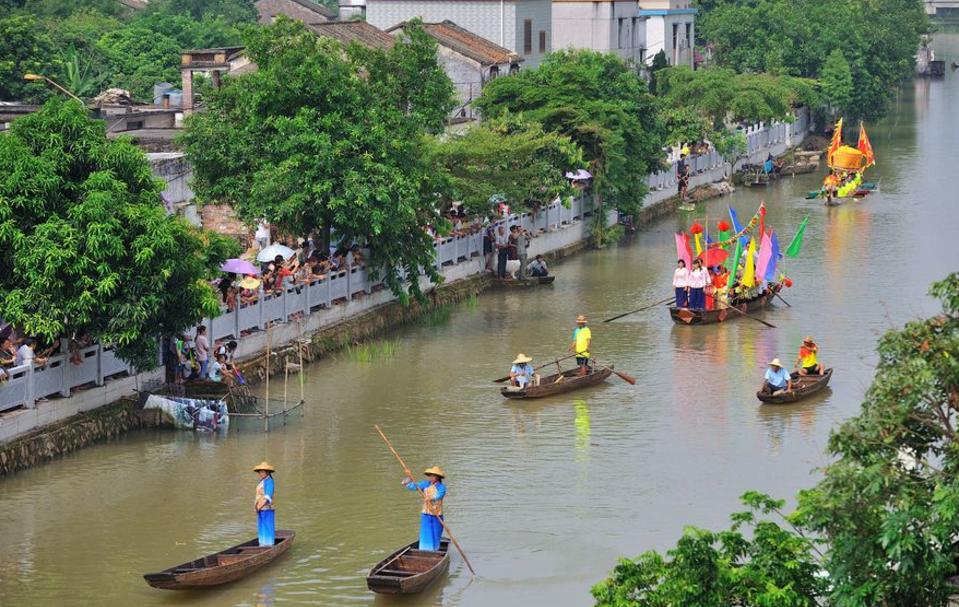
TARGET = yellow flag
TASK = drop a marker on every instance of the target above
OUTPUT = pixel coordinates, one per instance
(699, 246)
(749, 273)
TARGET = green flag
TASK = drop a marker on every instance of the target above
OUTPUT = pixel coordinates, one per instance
(734, 262)
(793, 249)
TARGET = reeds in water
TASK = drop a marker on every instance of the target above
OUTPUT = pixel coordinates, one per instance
(371, 351)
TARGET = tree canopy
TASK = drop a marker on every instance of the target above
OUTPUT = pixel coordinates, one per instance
(504, 157)
(601, 104)
(880, 528)
(87, 45)
(89, 248)
(878, 39)
(316, 139)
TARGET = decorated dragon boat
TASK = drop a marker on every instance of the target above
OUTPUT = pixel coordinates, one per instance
(847, 167)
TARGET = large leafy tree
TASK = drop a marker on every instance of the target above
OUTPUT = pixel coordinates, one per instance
(880, 528)
(878, 39)
(88, 246)
(601, 104)
(505, 157)
(723, 96)
(25, 47)
(836, 81)
(136, 58)
(315, 140)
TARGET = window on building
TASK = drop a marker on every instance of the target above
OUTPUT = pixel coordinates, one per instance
(514, 68)
(675, 37)
(635, 42)
(689, 35)
(542, 41)
(621, 37)
(528, 37)
(493, 72)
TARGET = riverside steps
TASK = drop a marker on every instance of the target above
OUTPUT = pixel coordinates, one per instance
(339, 310)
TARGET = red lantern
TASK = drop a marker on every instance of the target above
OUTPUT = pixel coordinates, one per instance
(788, 282)
(696, 229)
(723, 225)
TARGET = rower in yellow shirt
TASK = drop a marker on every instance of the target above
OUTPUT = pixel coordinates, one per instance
(582, 337)
(808, 357)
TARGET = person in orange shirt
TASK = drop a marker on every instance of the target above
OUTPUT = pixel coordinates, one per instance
(808, 357)
(717, 286)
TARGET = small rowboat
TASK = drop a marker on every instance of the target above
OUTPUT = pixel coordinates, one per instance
(533, 281)
(222, 567)
(803, 386)
(558, 383)
(708, 317)
(409, 570)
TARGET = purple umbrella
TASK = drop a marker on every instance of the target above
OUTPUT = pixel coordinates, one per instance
(239, 266)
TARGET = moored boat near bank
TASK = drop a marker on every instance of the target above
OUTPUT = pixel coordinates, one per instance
(409, 570)
(558, 383)
(533, 281)
(803, 387)
(221, 567)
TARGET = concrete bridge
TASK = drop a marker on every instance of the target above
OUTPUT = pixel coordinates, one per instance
(943, 8)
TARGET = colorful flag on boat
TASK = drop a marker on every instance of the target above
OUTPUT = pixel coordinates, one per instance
(749, 271)
(733, 263)
(682, 250)
(796, 245)
(865, 146)
(765, 253)
(835, 143)
(773, 259)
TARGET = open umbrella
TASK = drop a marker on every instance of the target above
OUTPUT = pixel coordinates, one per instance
(249, 283)
(239, 266)
(270, 253)
(714, 257)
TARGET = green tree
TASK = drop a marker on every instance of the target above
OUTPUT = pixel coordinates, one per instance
(723, 96)
(25, 47)
(88, 246)
(230, 11)
(836, 81)
(312, 140)
(508, 158)
(602, 105)
(137, 58)
(659, 62)
(879, 529)
(408, 76)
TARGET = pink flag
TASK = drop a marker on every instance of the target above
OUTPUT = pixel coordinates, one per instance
(682, 250)
(765, 254)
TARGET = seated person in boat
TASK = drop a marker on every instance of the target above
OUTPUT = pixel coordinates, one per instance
(777, 379)
(808, 352)
(521, 373)
(582, 337)
(538, 267)
(431, 527)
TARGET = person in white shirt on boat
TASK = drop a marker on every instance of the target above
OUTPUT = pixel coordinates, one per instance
(681, 284)
(698, 279)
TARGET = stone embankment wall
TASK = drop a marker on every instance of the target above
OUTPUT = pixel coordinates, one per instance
(69, 435)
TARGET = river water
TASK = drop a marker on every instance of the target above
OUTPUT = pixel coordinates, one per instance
(544, 496)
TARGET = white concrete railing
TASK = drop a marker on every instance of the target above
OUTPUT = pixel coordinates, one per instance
(27, 383)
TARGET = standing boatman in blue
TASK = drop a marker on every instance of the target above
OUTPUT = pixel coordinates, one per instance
(431, 526)
(263, 504)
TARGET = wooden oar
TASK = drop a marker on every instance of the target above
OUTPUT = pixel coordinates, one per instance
(783, 300)
(557, 361)
(665, 301)
(413, 479)
(738, 311)
(626, 378)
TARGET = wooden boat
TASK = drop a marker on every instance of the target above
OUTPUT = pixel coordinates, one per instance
(803, 386)
(409, 570)
(532, 281)
(708, 317)
(558, 383)
(222, 567)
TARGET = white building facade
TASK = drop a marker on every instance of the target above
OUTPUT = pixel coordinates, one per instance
(613, 26)
(670, 27)
(522, 26)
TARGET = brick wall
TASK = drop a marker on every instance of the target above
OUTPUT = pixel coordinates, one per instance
(222, 219)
